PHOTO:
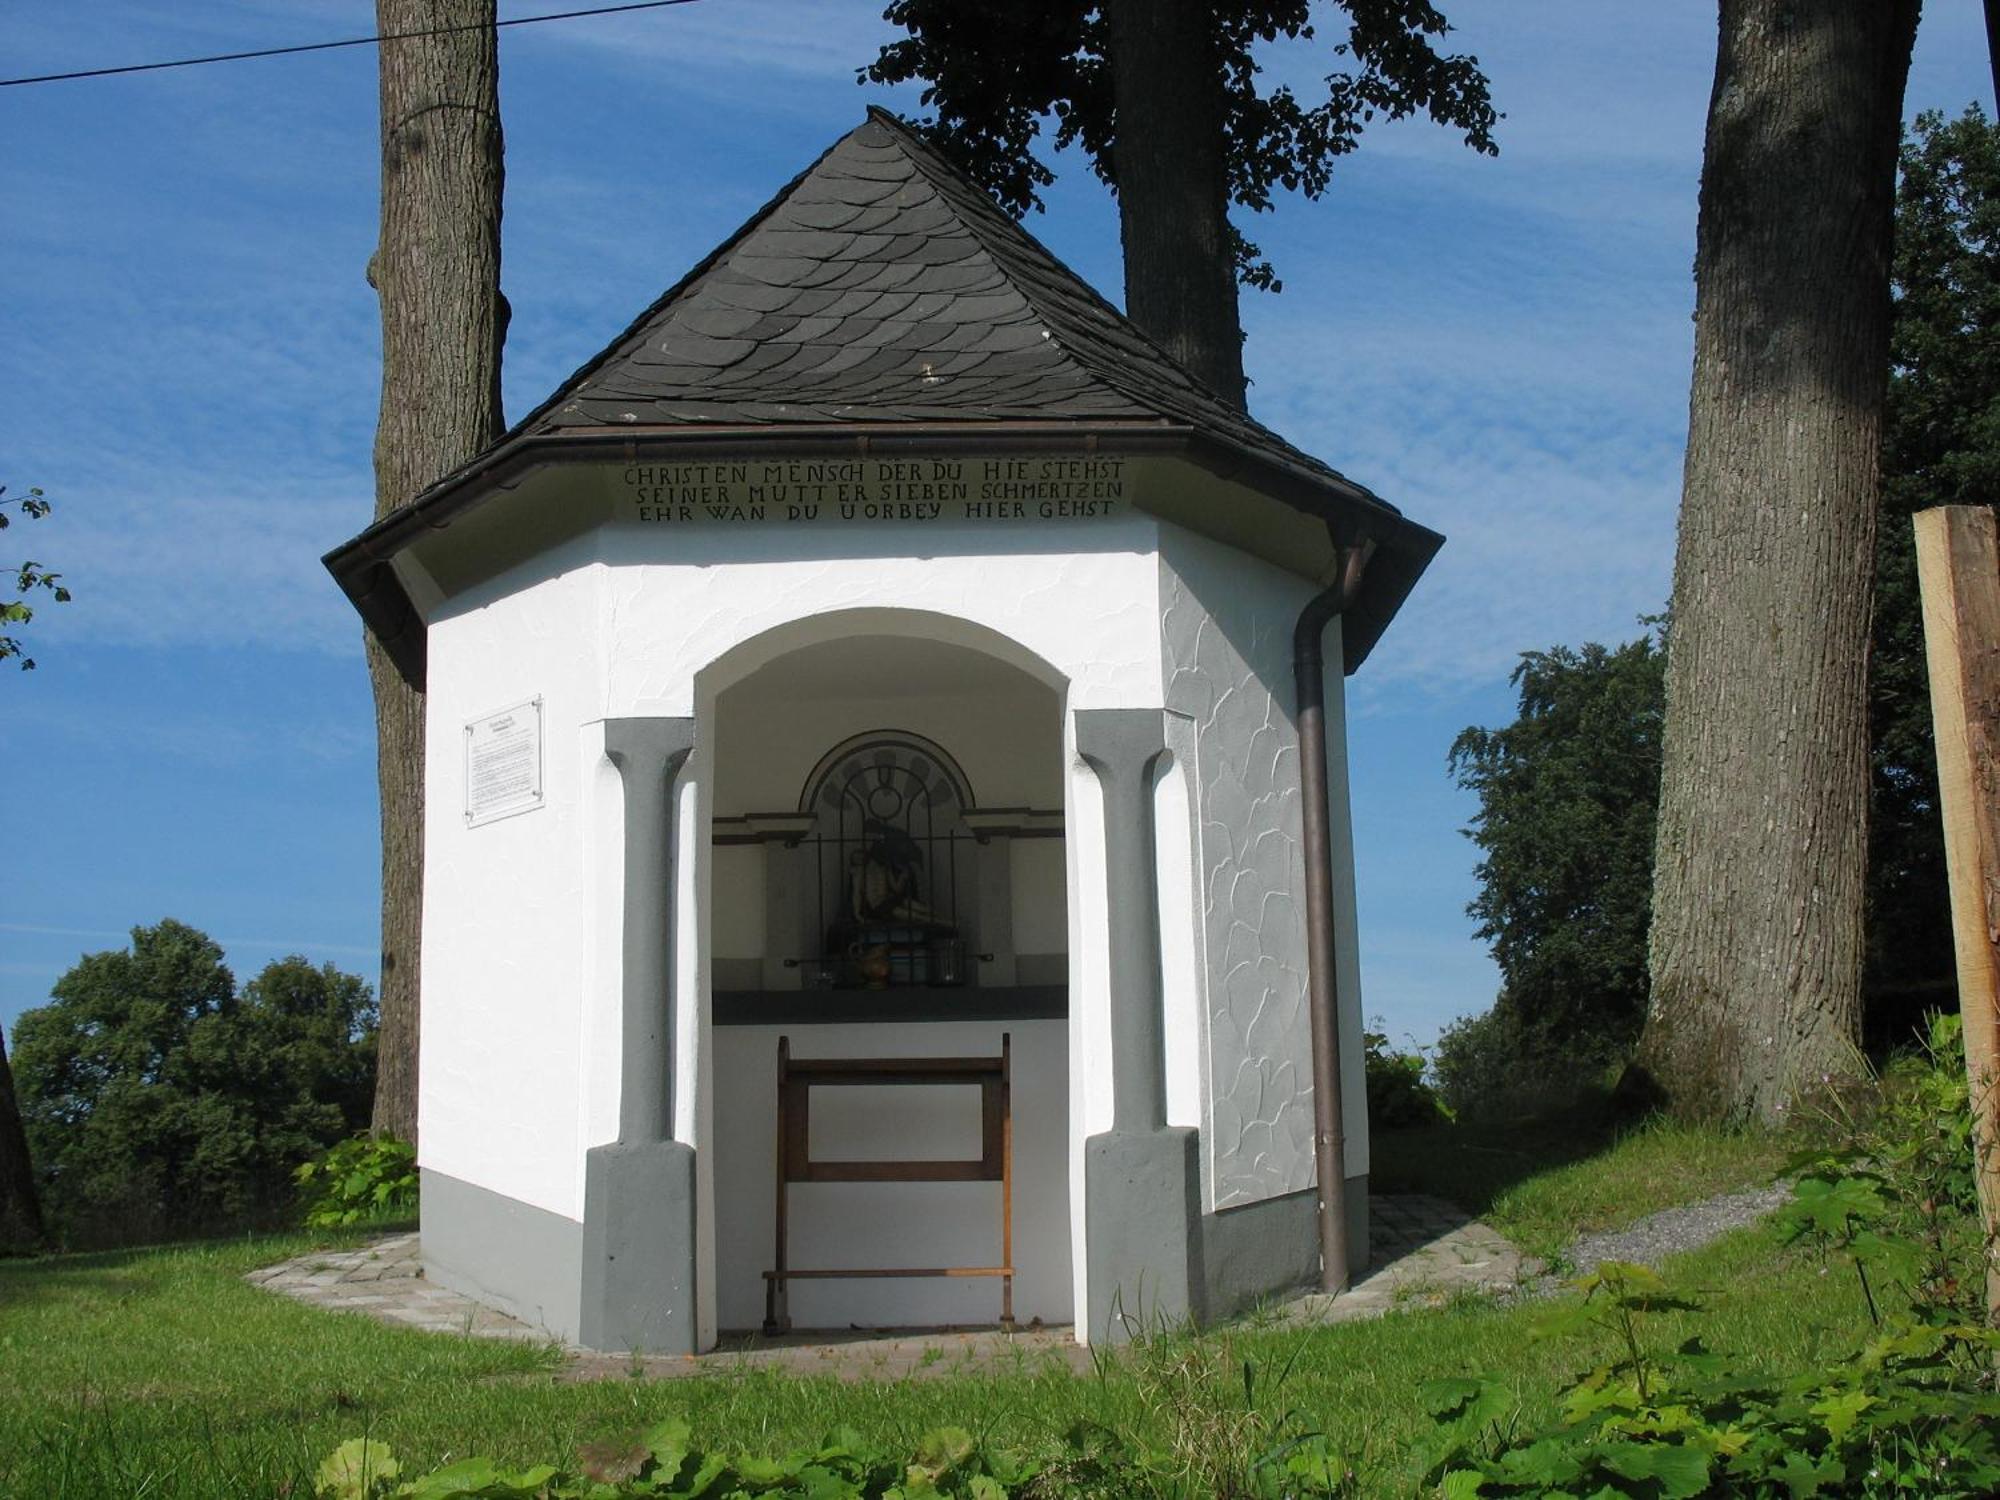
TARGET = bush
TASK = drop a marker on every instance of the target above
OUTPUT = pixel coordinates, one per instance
(362, 1179)
(1398, 1096)
(158, 1100)
(1490, 1067)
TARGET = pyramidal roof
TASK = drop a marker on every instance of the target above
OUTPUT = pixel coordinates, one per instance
(883, 290)
(882, 285)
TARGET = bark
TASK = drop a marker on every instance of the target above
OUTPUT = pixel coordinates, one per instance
(1993, 47)
(21, 1227)
(437, 272)
(1756, 946)
(1170, 159)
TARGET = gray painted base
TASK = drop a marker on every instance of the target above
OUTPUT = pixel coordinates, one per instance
(1265, 1249)
(1142, 1198)
(525, 1261)
(638, 1249)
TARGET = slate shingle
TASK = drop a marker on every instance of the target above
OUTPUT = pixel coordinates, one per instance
(883, 285)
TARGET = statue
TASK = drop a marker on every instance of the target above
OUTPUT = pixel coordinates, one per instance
(883, 887)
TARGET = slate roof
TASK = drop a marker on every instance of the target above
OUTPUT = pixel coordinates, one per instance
(882, 285)
(883, 291)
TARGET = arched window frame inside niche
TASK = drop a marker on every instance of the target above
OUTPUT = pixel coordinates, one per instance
(892, 861)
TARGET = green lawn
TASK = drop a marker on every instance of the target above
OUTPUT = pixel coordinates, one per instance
(1542, 1182)
(161, 1373)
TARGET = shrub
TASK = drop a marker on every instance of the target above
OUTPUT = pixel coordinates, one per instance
(1490, 1067)
(1398, 1096)
(361, 1179)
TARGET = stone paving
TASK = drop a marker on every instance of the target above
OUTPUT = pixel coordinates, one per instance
(1424, 1251)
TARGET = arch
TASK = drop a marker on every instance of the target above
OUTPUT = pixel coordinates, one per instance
(746, 656)
(927, 750)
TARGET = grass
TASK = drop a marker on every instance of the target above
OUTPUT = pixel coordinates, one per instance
(161, 1373)
(1543, 1182)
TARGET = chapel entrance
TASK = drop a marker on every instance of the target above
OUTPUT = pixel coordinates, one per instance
(888, 881)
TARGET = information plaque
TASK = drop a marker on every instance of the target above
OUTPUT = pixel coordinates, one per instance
(503, 763)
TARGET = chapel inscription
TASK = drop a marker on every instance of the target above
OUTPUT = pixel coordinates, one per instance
(819, 492)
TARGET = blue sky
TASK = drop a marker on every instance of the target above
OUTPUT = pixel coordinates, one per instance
(1500, 346)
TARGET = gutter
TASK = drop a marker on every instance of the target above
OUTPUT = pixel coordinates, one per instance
(1329, 1133)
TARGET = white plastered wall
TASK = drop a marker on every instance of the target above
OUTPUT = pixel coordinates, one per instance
(522, 1016)
(521, 1023)
(512, 908)
(1226, 632)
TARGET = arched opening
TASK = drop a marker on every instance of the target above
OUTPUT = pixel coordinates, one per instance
(887, 879)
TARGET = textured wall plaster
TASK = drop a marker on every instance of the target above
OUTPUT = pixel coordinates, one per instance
(1226, 630)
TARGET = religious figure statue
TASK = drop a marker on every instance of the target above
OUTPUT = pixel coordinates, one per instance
(883, 886)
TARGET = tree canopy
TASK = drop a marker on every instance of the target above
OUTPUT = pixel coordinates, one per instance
(1567, 794)
(1211, 131)
(1941, 446)
(30, 579)
(159, 1099)
(993, 73)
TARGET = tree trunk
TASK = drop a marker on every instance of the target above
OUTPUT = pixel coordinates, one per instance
(21, 1228)
(1173, 186)
(1756, 947)
(437, 271)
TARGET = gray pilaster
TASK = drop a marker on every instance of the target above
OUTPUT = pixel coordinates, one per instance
(649, 754)
(1142, 1178)
(1121, 745)
(639, 1193)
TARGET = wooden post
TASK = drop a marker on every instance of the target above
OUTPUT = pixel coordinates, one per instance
(1958, 570)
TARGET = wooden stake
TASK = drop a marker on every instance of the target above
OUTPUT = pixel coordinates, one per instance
(1958, 570)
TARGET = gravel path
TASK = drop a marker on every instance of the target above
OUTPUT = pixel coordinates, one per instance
(1673, 1230)
(1668, 1232)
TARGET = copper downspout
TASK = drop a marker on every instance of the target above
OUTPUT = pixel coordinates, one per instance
(1329, 1136)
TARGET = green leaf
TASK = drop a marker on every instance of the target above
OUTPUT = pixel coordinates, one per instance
(1462, 1484)
(1802, 1475)
(469, 1476)
(1840, 1412)
(1679, 1470)
(668, 1443)
(1543, 1464)
(764, 1473)
(945, 1447)
(1470, 1402)
(357, 1470)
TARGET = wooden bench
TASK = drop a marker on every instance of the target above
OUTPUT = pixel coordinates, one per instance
(798, 1077)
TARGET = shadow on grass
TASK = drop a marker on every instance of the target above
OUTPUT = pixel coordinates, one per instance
(1473, 1163)
(132, 1269)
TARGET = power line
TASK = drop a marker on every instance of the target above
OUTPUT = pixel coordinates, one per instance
(357, 41)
